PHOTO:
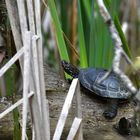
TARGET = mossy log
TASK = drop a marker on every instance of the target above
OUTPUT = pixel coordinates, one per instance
(95, 126)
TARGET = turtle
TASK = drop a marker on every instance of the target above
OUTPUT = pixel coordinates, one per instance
(112, 87)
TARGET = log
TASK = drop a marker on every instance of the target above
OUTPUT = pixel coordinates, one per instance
(95, 126)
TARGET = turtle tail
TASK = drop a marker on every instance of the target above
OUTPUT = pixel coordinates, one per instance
(70, 69)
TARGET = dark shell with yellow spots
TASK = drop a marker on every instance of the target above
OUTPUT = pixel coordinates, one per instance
(111, 87)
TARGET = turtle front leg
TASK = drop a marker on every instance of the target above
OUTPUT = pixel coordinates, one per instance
(111, 111)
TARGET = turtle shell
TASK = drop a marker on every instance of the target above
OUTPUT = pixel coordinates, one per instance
(111, 87)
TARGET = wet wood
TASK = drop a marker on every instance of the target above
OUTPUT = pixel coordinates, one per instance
(95, 126)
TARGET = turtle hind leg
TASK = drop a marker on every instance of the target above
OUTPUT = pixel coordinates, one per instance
(111, 111)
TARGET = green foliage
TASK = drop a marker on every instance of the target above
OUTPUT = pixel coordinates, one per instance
(99, 43)
(64, 18)
(94, 42)
(121, 34)
(17, 128)
(118, 25)
(10, 81)
(87, 6)
(59, 34)
(81, 39)
(11, 91)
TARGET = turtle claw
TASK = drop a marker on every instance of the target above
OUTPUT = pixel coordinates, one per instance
(110, 114)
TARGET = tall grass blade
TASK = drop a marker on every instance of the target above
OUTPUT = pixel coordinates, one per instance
(81, 39)
(92, 48)
(122, 36)
(64, 16)
(100, 41)
(59, 34)
(99, 28)
(87, 5)
(118, 25)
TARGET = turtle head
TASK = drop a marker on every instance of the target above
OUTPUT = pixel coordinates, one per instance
(70, 69)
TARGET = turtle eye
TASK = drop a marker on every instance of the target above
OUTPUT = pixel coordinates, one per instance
(64, 63)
